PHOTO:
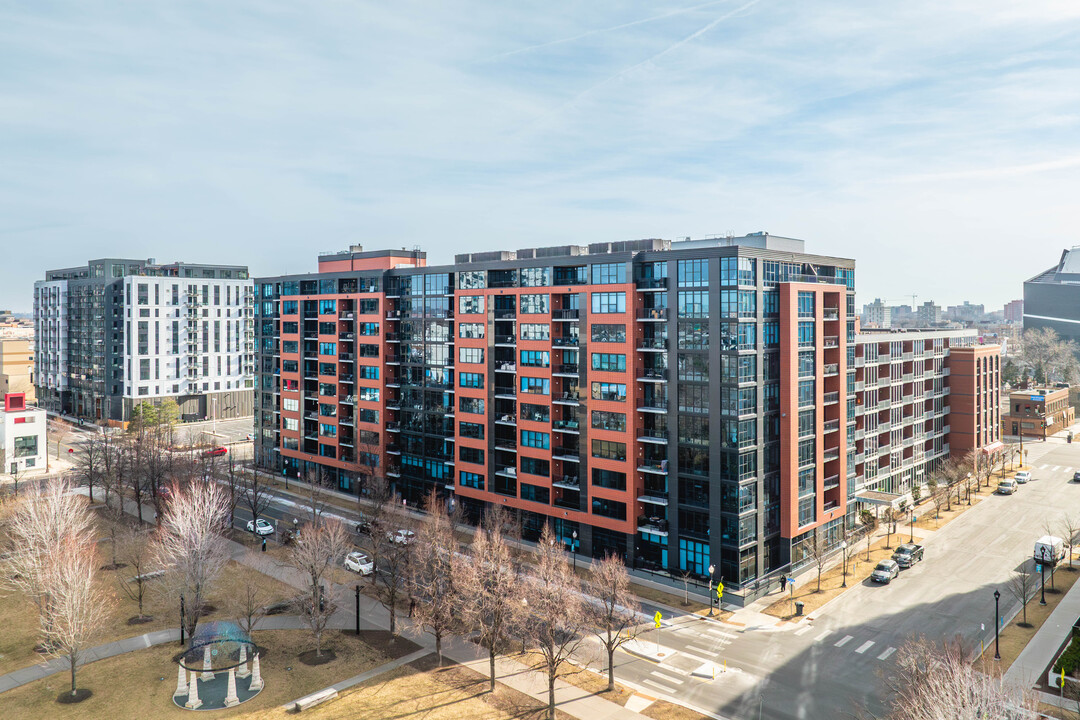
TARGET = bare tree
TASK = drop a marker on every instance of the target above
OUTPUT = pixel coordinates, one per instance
(59, 430)
(134, 551)
(234, 483)
(684, 576)
(615, 611)
(939, 495)
(248, 606)
(869, 523)
(316, 493)
(190, 546)
(817, 550)
(78, 609)
(1048, 355)
(317, 548)
(433, 584)
(255, 495)
(888, 519)
(392, 554)
(1070, 526)
(488, 578)
(932, 682)
(557, 616)
(1021, 585)
(90, 461)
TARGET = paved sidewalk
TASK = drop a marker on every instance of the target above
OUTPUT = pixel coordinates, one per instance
(1041, 649)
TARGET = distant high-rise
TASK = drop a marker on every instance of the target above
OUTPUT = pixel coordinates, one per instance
(1052, 298)
(928, 314)
(877, 314)
(1014, 311)
(114, 333)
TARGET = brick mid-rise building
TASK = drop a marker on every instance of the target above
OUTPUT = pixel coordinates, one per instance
(679, 404)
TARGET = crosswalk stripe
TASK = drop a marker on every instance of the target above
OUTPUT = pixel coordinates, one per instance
(719, 633)
(1068, 470)
(821, 635)
(864, 647)
(669, 678)
(886, 654)
(803, 630)
(694, 657)
(700, 650)
(1042, 467)
(1056, 468)
(665, 688)
(845, 641)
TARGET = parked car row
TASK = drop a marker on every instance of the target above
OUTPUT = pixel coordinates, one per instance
(904, 557)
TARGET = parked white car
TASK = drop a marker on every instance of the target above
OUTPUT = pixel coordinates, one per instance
(358, 562)
(1022, 477)
(401, 537)
(1006, 487)
(260, 527)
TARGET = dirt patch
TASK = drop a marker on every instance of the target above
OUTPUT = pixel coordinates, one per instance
(140, 620)
(664, 710)
(69, 698)
(310, 657)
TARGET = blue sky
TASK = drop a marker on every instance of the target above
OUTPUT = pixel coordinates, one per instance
(935, 141)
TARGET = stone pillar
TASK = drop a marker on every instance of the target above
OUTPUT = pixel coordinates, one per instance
(256, 676)
(181, 682)
(230, 697)
(193, 701)
(242, 671)
(207, 672)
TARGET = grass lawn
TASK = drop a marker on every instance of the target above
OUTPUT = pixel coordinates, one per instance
(1013, 638)
(19, 620)
(131, 686)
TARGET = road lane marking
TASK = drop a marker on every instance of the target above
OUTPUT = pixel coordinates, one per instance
(669, 678)
(845, 641)
(885, 655)
(803, 630)
(665, 688)
(864, 647)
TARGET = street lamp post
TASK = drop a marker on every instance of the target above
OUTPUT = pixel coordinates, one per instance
(357, 610)
(1042, 577)
(712, 569)
(181, 619)
(843, 549)
(573, 547)
(911, 524)
(997, 623)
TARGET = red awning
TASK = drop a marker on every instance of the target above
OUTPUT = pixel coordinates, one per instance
(993, 447)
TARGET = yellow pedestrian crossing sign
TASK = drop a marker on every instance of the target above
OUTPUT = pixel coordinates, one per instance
(719, 591)
(657, 617)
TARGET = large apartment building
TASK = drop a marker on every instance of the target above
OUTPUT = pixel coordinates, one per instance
(114, 333)
(680, 404)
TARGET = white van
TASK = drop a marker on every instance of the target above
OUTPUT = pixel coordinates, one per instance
(1049, 550)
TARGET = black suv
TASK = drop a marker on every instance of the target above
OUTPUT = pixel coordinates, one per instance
(364, 526)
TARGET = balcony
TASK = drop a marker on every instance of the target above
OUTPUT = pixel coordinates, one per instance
(506, 367)
(655, 468)
(653, 497)
(567, 482)
(565, 342)
(830, 314)
(568, 370)
(831, 398)
(567, 398)
(505, 314)
(831, 483)
(569, 453)
(831, 369)
(505, 444)
(652, 315)
(655, 437)
(654, 375)
(505, 340)
(393, 427)
(652, 345)
(507, 471)
(653, 405)
(505, 420)
(831, 454)
(652, 284)
(563, 315)
(830, 341)
(652, 525)
(832, 426)
(567, 426)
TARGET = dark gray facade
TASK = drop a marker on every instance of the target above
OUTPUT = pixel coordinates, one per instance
(1052, 298)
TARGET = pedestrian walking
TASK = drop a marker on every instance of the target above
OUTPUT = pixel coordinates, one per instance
(264, 544)
(412, 605)
(783, 583)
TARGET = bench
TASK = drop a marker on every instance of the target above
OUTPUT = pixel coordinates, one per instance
(314, 699)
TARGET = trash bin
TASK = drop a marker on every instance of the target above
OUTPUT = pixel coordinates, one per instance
(798, 607)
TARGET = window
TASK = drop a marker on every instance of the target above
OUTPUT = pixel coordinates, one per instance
(609, 391)
(806, 363)
(696, 492)
(609, 508)
(807, 510)
(806, 304)
(609, 274)
(471, 480)
(693, 366)
(608, 302)
(473, 356)
(535, 413)
(536, 386)
(327, 430)
(613, 421)
(609, 362)
(471, 330)
(26, 446)
(609, 450)
(471, 304)
(532, 439)
(369, 372)
(472, 280)
(290, 423)
(535, 277)
(471, 405)
(368, 328)
(806, 334)
(806, 392)
(535, 466)
(695, 398)
(327, 307)
(327, 348)
(737, 271)
(534, 304)
(608, 479)
(327, 410)
(536, 358)
(471, 430)
(694, 304)
(290, 404)
(694, 273)
(609, 333)
(770, 302)
(535, 331)
(365, 394)
(694, 336)
(471, 455)
(694, 557)
(288, 307)
(471, 380)
(535, 493)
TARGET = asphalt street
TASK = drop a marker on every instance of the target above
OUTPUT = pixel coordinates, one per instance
(827, 669)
